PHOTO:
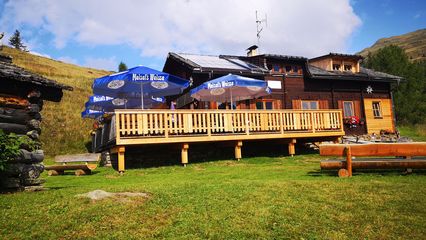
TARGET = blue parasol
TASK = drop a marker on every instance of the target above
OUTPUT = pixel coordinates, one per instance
(89, 113)
(139, 82)
(108, 104)
(231, 87)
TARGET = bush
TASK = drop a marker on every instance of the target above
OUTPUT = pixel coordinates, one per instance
(10, 145)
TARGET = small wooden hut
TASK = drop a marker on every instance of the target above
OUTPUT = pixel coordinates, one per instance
(21, 99)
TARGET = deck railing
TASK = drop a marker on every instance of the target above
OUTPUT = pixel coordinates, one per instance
(166, 126)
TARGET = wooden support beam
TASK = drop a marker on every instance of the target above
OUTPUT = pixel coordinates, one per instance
(291, 147)
(238, 154)
(348, 160)
(184, 154)
(120, 150)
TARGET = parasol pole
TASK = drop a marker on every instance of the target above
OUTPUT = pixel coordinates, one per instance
(230, 90)
(141, 95)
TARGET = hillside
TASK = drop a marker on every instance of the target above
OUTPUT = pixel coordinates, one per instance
(63, 130)
(413, 43)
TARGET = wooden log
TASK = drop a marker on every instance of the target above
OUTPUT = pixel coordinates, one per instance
(10, 183)
(375, 164)
(14, 128)
(23, 170)
(34, 124)
(13, 101)
(20, 116)
(34, 108)
(375, 149)
(25, 156)
(55, 170)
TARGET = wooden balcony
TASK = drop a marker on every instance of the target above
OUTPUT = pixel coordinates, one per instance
(133, 127)
(181, 126)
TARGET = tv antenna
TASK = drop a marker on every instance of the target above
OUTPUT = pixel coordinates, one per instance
(259, 23)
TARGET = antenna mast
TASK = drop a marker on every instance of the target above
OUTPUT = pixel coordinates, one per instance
(259, 28)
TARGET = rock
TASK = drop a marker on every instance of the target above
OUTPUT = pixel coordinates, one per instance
(101, 194)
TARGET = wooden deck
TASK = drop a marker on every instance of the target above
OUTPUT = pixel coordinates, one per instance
(135, 127)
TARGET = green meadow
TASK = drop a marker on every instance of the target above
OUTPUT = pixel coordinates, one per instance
(255, 198)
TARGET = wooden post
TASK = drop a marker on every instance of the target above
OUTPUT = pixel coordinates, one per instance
(348, 160)
(184, 154)
(121, 160)
(238, 146)
(291, 147)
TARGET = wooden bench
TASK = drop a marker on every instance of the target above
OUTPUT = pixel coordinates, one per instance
(402, 151)
(86, 163)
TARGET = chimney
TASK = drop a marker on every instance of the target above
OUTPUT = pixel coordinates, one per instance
(252, 51)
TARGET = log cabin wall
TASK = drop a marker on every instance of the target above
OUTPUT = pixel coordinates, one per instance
(21, 101)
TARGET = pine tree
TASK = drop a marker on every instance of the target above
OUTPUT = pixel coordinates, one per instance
(409, 95)
(16, 41)
(122, 67)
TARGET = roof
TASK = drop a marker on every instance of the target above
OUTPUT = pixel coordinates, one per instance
(15, 73)
(219, 63)
(352, 56)
(252, 47)
(283, 57)
(364, 74)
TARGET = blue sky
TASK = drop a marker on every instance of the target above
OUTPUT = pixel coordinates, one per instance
(101, 33)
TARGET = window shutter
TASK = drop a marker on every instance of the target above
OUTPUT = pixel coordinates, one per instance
(357, 108)
(323, 104)
(297, 104)
(340, 104)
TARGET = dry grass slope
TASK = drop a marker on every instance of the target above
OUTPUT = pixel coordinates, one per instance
(63, 130)
(414, 44)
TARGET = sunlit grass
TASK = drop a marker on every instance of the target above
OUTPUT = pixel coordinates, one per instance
(255, 198)
(417, 132)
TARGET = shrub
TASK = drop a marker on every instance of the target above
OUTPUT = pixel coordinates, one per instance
(10, 145)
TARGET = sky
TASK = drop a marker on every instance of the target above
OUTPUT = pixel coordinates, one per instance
(102, 33)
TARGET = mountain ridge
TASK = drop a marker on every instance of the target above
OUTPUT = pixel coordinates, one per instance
(413, 43)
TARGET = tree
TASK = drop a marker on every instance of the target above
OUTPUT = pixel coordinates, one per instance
(410, 94)
(16, 41)
(122, 67)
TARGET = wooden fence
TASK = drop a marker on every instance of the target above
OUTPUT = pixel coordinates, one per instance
(171, 126)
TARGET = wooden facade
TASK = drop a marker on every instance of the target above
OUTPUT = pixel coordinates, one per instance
(300, 83)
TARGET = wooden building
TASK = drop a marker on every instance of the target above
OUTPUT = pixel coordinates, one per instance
(22, 94)
(332, 81)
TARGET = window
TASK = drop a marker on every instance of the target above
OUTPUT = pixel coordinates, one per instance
(288, 69)
(306, 105)
(264, 105)
(336, 67)
(295, 69)
(348, 109)
(377, 110)
(276, 68)
(347, 67)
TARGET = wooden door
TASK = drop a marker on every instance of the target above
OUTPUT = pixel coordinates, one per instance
(378, 115)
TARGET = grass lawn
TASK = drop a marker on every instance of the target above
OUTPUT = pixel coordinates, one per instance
(256, 198)
(417, 133)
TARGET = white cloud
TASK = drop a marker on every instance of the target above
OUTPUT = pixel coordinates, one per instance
(67, 59)
(40, 54)
(101, 63)
(298, 27)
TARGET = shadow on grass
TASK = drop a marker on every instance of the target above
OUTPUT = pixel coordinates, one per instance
(149, 156)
